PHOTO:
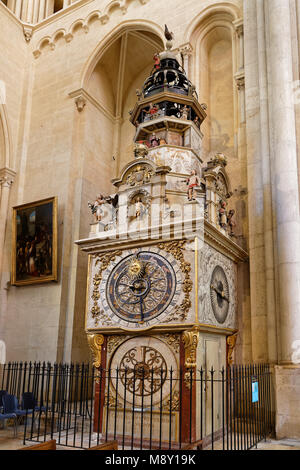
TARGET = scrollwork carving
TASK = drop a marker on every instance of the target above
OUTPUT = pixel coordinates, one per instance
(176, 249)
(95, 344)
(104, 260)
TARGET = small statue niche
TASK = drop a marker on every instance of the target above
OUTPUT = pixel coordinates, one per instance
(138, 207)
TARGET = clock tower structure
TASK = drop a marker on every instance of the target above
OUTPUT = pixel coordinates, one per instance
(162, 278)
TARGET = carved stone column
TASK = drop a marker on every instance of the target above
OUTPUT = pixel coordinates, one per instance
(239, 28)
(240, 83)
(186, 51)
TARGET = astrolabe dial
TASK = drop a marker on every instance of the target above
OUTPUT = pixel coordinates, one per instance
(141, 287)
(219, 294)
(143, 370)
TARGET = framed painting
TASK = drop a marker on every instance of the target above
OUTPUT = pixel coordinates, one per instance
(34, 242)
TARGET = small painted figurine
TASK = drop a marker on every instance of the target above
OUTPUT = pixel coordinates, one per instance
(223, 215)
(156, 59)
(153, 109)
(96, 208)
(230, 221)
(185, 112)
(197, 122)
(192, 182)
(154, 140)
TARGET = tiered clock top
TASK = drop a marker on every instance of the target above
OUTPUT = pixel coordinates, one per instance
(167, 76)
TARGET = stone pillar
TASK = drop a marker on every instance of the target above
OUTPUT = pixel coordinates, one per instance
(285, 174)
(266, 180)
(6, 179)
(259, 329)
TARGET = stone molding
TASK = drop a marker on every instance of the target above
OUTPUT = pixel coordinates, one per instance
(68, 34)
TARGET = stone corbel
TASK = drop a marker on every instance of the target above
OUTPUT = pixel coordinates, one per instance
(27, 30)
(80, 103)
(231, 342)
(95, 343)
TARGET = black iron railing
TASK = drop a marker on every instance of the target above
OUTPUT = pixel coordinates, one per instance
(141, 408)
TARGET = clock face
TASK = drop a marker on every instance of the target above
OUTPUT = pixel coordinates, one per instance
(219, 294)
(140, 287)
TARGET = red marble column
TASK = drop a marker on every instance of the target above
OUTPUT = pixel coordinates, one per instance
(188, 401)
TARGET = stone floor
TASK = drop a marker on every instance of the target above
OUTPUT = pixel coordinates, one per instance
(9, 442)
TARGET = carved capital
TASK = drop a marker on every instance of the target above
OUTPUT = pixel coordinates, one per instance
(186, 49)
(240, 81)
(190, 340)
(95, 344)
(7, 177)
(239, 27)
(231, 342)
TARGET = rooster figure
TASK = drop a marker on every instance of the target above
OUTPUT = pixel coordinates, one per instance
(169, 37)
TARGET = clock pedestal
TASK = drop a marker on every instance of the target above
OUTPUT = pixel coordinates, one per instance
(161, 294)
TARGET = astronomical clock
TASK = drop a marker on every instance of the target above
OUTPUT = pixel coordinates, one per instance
(163, 259)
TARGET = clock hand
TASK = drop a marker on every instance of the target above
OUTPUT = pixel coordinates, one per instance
(141, 308)
(221, 293)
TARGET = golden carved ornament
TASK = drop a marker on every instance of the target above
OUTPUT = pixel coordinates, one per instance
(176, 249)
(114, 341)
(105, 260)
(231, 342)
(95, 344)
(190, 340)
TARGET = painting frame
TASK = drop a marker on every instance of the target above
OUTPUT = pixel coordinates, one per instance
(49, 243)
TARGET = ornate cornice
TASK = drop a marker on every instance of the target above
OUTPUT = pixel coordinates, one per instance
(223, 244)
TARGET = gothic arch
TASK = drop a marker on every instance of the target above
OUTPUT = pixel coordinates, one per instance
(210, 34)
(226, 9)
(110, 38)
